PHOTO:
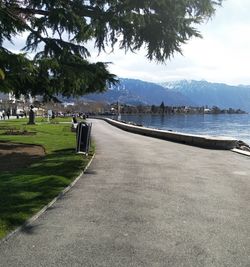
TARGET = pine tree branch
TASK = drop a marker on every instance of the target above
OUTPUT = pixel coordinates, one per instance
(84, 11)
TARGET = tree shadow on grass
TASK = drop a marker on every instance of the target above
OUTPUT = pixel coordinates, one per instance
(25, 192)
(17, 161)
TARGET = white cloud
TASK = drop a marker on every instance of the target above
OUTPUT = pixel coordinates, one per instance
(222, 55)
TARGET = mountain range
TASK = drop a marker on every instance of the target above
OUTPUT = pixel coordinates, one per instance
(178, 93)
(135, 92)
(213, 94)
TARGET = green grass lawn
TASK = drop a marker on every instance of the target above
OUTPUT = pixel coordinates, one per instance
(25, 191)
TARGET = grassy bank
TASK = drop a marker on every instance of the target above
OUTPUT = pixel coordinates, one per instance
(25, 191)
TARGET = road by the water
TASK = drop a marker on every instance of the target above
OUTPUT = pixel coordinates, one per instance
(144, 202)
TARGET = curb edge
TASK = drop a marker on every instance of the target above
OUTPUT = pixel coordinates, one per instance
(51, 203)
(242, 152)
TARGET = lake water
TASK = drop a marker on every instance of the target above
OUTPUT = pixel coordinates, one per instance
(231, 125)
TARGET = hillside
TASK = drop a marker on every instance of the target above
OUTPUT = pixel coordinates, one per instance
(131, 91)
(196, 93)
(178, 93)
(213, 94)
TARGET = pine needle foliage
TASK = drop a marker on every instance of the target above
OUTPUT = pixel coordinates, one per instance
(58, 32)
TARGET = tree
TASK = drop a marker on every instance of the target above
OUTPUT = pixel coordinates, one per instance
(58, 31)
(162, 107)
(153, 109)
(216, 110)
(2, 75)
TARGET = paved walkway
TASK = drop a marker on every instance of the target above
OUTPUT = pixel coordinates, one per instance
(144, 202)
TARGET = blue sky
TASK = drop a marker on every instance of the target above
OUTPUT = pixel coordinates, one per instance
(223, 55)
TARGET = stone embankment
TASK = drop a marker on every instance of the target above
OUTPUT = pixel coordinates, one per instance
(242, 146)
(213, 142)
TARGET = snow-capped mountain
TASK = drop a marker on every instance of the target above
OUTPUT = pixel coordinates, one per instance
(213, 94)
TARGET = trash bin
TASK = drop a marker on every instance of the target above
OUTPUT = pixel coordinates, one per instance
(83, 132)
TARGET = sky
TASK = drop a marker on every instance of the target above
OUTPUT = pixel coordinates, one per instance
(222, 55)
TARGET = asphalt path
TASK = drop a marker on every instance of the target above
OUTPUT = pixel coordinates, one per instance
(144, 202)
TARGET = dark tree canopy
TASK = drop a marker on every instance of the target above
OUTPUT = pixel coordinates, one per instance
(58, 31)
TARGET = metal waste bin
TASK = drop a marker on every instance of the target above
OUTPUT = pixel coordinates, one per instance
(83, 132)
